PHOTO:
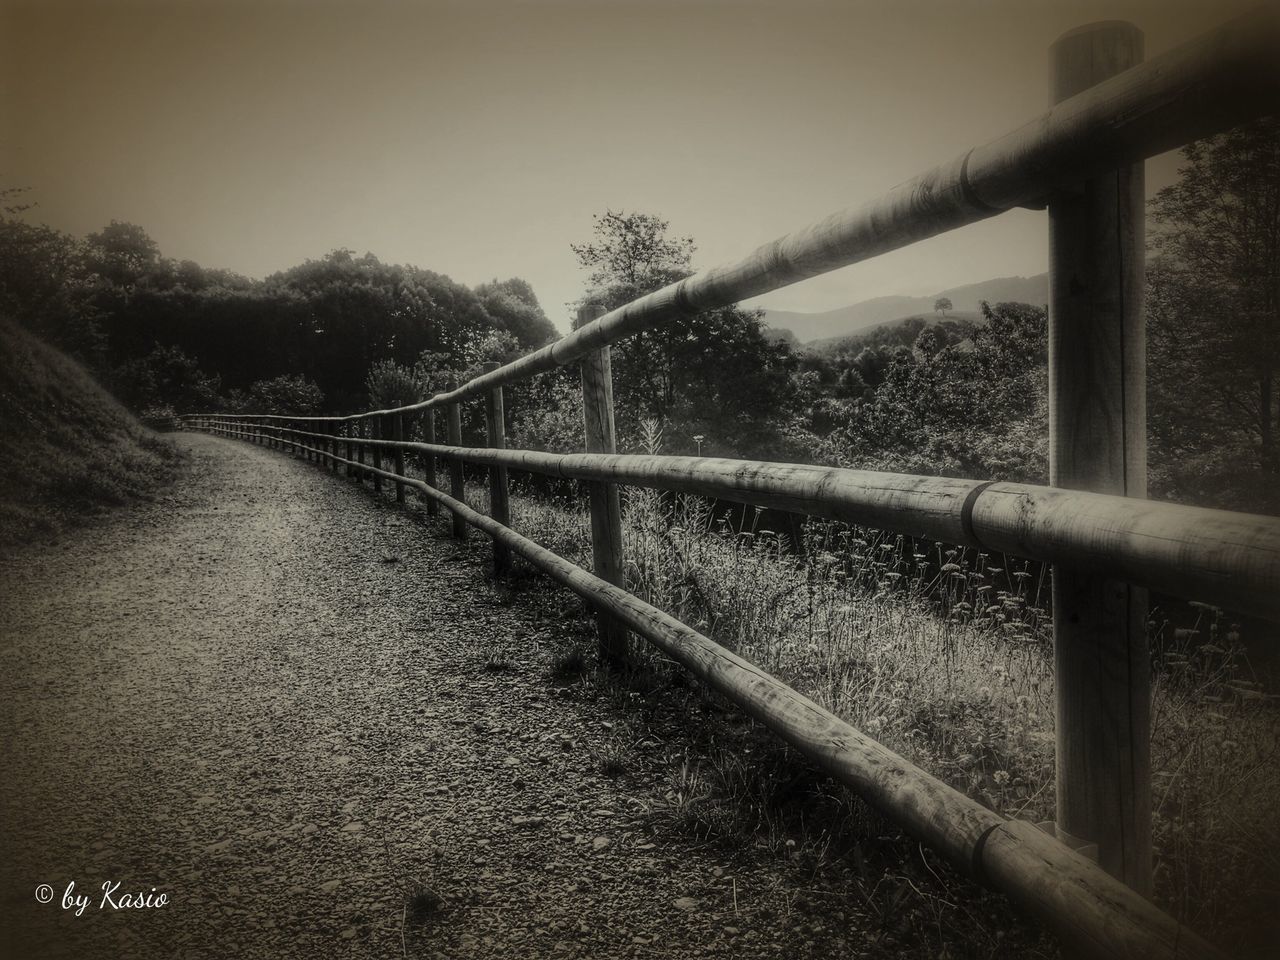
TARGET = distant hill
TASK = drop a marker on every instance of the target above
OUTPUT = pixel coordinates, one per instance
(857, 317)
(68, 449)
(898, 332)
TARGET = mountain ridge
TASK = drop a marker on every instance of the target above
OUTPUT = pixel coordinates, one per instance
(860, 316)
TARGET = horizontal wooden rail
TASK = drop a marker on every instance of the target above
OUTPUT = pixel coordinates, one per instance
(1216, 556)
(1092, 911)
(1081, 159)
(1226, 77)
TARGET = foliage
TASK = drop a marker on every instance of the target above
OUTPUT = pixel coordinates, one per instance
(166, 377)
(68, 450)
(550, 418)
(945, 656)
(149, 324)
(516, 311)
(390, 384)
(972, 408)
(288, 393)
(633, 251)
(715, 374)
(121, 253)
(46, 285)
(1214, 322)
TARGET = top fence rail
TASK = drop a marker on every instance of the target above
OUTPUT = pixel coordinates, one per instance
(1226, 77)
(1077, 159)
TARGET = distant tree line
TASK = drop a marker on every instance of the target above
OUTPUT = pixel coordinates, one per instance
(172, 333)
(929, 394)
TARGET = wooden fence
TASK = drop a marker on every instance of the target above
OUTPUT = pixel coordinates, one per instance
(1081, 159)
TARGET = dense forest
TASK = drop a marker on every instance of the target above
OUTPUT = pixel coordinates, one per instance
(958, 396)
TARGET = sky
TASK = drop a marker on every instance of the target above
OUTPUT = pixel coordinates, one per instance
(477, 138)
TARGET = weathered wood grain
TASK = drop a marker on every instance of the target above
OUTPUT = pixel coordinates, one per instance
(1097, 442)
(457, 483)
(605, 503)
(375, 428)
(429, 459)
(1098, 916)
(499, 495)
(397, 466)
(1218, 556)
(1094, 912)
(361, 431)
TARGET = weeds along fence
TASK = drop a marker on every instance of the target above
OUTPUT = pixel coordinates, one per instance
(1087, 875)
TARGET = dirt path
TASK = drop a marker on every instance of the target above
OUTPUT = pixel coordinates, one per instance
(285, 704)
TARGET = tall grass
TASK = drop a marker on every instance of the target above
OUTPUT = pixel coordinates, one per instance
(68, 449)
(945, 656)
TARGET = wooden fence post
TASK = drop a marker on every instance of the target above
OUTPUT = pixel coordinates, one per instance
(1097, 442)
(361, 425)
(397, 434)
(376, 432)
(606, 505)
(346, 443)
(457, 483)
(499, 496)
(429, 461)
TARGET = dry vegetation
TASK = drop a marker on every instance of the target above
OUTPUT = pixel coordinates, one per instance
(945, 656)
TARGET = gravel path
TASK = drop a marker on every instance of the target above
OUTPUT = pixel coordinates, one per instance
(290, 706)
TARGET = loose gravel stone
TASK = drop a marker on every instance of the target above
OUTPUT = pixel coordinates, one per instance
(234, 695)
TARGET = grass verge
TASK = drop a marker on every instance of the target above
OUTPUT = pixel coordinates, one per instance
(68, 449)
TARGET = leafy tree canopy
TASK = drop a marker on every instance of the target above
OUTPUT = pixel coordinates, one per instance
(714, 374)
(1214, 317)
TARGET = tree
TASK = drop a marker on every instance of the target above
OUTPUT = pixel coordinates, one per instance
(390, 384)
(349, 312)
(122, 253)
(632, 250)
(289, 393)
(714, 374)
(975, 408)
(942, 305)
(45, 286)
(166, 378)
(1214, 309)
(514, 308)
(550, 418)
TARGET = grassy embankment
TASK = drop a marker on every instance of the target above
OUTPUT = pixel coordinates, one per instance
(68, 449)
(945, 656)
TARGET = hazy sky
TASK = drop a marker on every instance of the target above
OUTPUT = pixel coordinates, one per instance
(477, 138)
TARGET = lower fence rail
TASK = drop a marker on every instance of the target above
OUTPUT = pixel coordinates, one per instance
(1094, 913)
(1217, 556)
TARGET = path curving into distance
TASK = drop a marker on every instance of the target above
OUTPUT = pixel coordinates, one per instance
(266, 695)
